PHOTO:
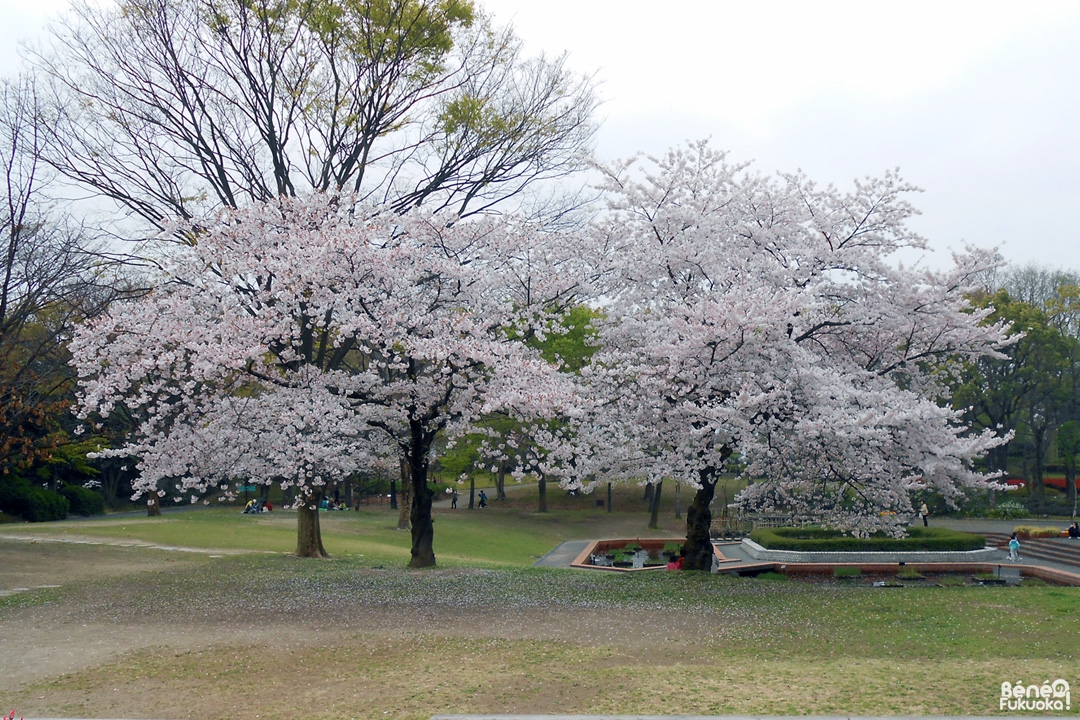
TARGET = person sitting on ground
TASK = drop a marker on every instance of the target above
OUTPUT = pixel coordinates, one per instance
(1074, 531)
(268, 506)
(249, 506)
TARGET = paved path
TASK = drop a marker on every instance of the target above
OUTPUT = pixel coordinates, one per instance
(563, 555)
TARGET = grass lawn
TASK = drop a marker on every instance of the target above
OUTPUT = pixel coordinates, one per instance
(174, 635)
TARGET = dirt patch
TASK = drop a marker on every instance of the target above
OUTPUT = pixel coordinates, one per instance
(37, 562)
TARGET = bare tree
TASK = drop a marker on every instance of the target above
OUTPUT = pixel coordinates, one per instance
(173, 108)
(50, 278)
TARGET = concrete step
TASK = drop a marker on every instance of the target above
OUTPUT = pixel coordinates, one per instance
(1055, 549)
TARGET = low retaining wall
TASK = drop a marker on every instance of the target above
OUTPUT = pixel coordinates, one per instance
(889, 556)
(596, 546)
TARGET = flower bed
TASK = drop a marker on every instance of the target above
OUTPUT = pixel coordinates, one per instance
(605, 554)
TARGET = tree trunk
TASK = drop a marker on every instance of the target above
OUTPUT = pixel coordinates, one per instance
(648, 491)
(423, 526)
(654, 511)
(678, 512)
(1037, 490)
(698, 549)
(500, 481)
(1070, 486)
(153, 509)
(405, 501)
(393, 495)
(472, 492)
(609, 497)
(308, 533)
(110, 482)
(542, 484)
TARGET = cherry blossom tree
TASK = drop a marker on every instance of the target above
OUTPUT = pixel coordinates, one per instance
(764, 319)
(293, 339)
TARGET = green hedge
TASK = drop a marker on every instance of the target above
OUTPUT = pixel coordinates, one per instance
(815, 539)
(83, 501)
(21, 498)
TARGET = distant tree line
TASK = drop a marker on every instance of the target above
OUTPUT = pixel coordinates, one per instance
(1033, 391)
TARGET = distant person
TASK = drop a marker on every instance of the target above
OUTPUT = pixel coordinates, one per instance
(249, 506)
(925, 512)
(453, 500)
(483, 499)
(268, 506)
(1014, 548)
(1074, 531)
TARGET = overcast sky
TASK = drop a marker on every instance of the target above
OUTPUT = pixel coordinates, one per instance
(978, 103)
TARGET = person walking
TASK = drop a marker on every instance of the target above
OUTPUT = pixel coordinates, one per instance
(453, 500)
(1014, 548)
(483, 499)
(925, 512)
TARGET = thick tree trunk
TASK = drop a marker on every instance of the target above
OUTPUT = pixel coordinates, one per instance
(542, 484)
(405, 501)
(654, 510)
(423, 526)
(648, 491)
(153, 509)
(308, 533)
(110, 482)
(698, 549)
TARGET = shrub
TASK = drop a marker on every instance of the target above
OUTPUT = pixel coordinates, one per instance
(815, 539)
(1036, 532)
(83, 501)
(1008, 510)
(19, 497)
(847, 572)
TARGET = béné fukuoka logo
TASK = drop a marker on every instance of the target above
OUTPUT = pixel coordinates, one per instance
(1048, 696)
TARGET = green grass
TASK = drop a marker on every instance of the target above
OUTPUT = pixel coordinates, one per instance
(484, 538)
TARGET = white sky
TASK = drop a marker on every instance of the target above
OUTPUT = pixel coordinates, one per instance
(976, 102)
